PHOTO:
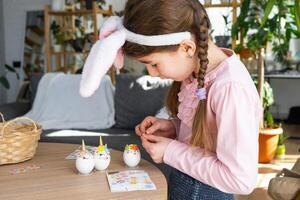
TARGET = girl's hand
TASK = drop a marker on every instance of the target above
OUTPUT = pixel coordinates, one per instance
(155, 146)
(156, 126)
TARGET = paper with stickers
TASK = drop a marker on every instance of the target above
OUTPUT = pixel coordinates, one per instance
(129, 180)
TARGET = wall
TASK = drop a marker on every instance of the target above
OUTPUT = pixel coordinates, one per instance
(14, 31)
(2, 55)
(286, 94)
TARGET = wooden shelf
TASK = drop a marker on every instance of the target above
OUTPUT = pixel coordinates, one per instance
(62, 19)
(79, 12)
(68, 53)
(222, 5)
(37, 30)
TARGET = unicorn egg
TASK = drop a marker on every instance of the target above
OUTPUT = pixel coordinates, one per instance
(102, 157)
(132, 155)
(85, 162)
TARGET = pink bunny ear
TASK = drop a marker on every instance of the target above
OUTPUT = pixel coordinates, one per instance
(100, 59)
(119, 61)
(110, 25)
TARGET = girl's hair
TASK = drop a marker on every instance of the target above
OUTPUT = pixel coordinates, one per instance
(155, 17)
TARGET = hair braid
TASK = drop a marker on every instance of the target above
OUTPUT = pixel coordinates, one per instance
(200, 136)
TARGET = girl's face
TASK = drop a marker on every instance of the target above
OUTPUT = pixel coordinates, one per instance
(178, 65)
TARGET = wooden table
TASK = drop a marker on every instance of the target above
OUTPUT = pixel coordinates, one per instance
(57, 178)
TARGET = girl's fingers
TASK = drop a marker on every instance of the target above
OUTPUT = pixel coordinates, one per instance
(137, 130)
(152, 138)
(153, 128)
(147, 122)
(145, 143)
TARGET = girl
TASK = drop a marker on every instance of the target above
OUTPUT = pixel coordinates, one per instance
(211, 142)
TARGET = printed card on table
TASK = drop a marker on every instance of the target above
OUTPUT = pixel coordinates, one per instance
(129, 180)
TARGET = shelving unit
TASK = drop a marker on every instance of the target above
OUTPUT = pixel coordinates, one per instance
(66, 25)
(234, 4)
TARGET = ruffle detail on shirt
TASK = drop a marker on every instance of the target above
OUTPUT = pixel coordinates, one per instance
(188, 102)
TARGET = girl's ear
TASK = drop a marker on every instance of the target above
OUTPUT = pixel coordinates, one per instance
(188, 47)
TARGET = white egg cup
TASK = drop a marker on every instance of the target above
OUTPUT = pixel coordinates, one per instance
(131, 157)
(85, 164)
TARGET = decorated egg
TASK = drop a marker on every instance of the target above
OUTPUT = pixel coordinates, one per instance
(102, 156)
(132, 155)
(85, 161)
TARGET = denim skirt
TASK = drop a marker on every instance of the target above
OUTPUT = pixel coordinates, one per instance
(183, 187)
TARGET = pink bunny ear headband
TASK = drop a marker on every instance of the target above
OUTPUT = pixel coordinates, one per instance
(108, 51)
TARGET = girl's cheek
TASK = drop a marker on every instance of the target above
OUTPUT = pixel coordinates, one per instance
(152, 71)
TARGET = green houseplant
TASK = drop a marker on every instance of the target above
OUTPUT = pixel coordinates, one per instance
(58, 36)
(256, 26)
(271, 131)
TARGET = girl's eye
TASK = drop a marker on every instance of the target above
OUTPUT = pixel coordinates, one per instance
(154, 65)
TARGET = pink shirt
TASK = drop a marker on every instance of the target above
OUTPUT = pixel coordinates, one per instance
(233, 115)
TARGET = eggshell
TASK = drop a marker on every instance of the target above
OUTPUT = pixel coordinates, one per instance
(132, 155)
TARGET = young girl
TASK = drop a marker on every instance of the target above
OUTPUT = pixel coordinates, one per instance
(211, 141)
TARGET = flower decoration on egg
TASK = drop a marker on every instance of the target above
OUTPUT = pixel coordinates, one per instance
(132, 155)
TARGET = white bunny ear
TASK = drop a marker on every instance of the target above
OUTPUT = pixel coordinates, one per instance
(100, 59)
(112, 24)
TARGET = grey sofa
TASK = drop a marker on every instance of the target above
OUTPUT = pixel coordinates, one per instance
(131, 107)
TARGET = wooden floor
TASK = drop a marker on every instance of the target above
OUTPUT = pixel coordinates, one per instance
(268, 171)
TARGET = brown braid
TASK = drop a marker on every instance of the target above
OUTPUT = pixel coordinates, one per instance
(200, 136)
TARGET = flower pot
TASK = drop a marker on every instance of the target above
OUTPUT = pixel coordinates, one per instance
(294, 48)
(223, 41)
(268, 141)
(246, 53)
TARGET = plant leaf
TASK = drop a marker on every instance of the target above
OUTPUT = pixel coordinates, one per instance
(10, 68)
(297, 14)
(4, 82)
(268, 10)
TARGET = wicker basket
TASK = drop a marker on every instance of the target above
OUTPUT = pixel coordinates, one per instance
(18, 140)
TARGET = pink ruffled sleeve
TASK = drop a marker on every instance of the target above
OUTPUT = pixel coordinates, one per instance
(233, 169)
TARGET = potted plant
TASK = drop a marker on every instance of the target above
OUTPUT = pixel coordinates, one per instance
(58, 36)
(270, 131)
(285, 30)
(224, 40)
(256, 26)
(280, 152)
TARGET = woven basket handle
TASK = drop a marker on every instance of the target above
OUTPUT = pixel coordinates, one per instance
(2, 117)
(16, 119)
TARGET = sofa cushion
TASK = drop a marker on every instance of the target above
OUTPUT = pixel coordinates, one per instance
(13, 110)
(137, 97)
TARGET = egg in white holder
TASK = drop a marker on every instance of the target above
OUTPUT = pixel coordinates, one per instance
(85, 161)
(102, 156)
(132, 155)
